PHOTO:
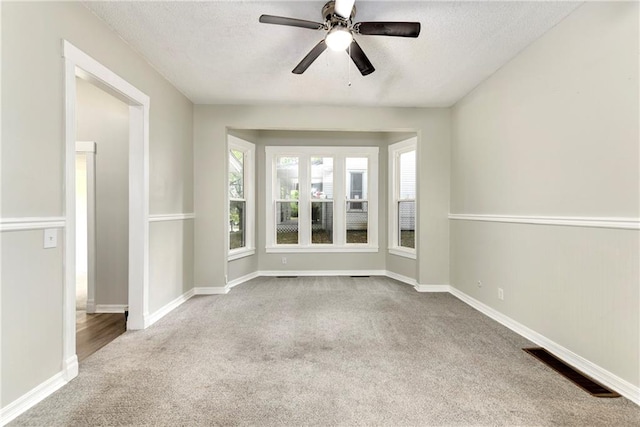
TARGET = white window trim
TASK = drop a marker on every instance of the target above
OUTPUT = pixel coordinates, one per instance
(339, 154)
(248, 149)
(395, 150)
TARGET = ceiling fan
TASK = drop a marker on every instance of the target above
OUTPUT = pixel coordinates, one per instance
(338, 22)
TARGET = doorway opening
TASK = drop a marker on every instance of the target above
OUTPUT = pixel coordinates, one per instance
(94, 327)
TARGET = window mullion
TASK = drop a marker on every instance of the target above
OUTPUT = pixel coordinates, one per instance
(339, 198)
(396, 217)
(270, 200)
(304, 196)
(372, 199)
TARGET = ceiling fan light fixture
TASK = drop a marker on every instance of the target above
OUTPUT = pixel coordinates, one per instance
(339, 38)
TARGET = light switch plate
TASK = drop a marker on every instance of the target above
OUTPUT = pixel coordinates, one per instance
(50, 238)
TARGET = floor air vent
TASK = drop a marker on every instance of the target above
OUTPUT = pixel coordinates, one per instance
(360, 277)
(286, 277)
(573, 375)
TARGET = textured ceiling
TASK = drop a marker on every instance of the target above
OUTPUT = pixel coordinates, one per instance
(217, 52)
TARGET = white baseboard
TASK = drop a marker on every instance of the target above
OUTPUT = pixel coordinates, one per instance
(413, 282)
(599, 374)
(70, 368)
(240, 280)
(401, 278)
(111, 308)
(31, 398)
(167, 308)
(432, 288)
(271, 273)
(211, 290)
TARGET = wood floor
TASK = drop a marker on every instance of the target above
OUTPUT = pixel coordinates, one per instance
(94, 331)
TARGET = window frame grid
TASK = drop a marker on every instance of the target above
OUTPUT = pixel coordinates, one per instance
(339, 154)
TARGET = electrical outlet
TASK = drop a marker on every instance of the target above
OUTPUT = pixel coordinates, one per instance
(479, 283)
(501, 294)
(284, 259)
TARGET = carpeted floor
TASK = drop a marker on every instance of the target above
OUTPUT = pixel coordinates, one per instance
(323, 351)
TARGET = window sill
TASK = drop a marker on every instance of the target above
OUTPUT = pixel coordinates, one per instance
(320, 249)
(240, 253)
(406, 253)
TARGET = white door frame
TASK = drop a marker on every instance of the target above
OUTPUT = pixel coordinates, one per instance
(79, 64)
(88, 148)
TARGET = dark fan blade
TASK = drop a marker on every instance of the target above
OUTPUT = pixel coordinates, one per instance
(291, 22)
(397, 29)
(360, 59)
(311, 56)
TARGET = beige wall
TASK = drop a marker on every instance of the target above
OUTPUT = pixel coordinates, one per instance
(31, 312)
(33, 135)
(104, 119)
(171, 269)
(210, 126)
(555, 133)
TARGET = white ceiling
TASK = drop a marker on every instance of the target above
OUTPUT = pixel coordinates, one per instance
(217, 52)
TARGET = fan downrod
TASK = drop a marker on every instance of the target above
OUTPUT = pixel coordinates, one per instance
(330, 16)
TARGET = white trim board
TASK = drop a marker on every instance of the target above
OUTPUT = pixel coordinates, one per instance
(111, 308)
(432, 288)
(413, 282)
(401, 278)
(597, 222)
(271, 273)
(167, 308)
(240, 280)
(31, 398)
(623, 387)
(171, 217)
(91, 306)
(86, 147)
(211, 290)
(32, 223)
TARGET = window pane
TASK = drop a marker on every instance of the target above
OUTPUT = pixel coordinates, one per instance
(357, 222)
(357, 177)
(236, 174)
(408, 175)
(407, 224)
(287, 176)
(322, 178)
(236, 224)
(286, 223)
(322, 222)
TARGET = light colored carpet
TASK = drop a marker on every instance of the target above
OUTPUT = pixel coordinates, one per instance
(323, 351)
